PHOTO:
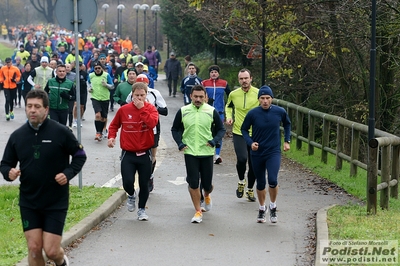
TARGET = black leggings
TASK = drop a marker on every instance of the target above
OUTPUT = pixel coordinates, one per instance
(199, 167)
(10, 96)
(59, 115)
(19, 91)
(242, 151)
(172, 86)
(130, 163)
(70, 112)
(112, 99)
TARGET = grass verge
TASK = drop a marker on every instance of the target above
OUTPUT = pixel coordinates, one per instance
(12, 241)
(351, 222)
(5, 51)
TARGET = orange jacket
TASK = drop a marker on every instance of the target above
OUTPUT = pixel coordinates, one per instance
(127, 44)
(9, 76)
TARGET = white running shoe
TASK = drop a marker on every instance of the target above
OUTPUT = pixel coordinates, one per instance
(130, 203)
(142, 216)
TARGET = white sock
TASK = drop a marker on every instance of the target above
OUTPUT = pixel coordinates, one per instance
(262, 208)
(272, 205)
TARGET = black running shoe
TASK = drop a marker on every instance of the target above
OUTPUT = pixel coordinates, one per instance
(218, 161)
(273, 218)
(240, 189)
(250, 195)
(261, 216)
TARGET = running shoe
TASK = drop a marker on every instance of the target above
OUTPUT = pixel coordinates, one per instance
(142, 216)
(261, 216)
(130, 203)
(12, 115)
(218, 161)
(98, 137)
(105, 134)
(202, 206)
(74, 124)
(66, 260)
(240, 189)
(198, 217)
(250, 195)
(273, 218)
(7, 117)
(208, 203)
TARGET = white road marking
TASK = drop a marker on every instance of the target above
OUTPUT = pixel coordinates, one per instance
(160, 158)
(180, 180)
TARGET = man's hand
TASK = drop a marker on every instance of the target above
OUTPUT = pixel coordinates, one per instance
(61, 179)
(121, 102)
(65, 95)
(37, 86)
(14, 174)
(184, 148)
(111, 143)
(229, 121)
(254, 146)
(286, 146)
(138, 103)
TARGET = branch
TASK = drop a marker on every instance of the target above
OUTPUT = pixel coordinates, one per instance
(40, 8)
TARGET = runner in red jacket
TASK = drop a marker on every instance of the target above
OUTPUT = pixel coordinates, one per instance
(136, 120)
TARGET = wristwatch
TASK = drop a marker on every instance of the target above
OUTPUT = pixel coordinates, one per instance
(288, 141)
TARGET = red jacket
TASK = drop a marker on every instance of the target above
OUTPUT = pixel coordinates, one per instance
(136, 127)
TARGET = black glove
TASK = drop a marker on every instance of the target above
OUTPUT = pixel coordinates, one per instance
(212, 143)
(65, 95)
(13, 80)
(121, 102)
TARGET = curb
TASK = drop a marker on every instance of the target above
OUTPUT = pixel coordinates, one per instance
(89, 222)
(322, 231)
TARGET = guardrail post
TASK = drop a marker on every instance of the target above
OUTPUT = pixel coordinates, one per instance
(299, 128)
(394, 191)
(325, 140)
(311, 133)
(385, 176)
(372, 172)
(339, 145)
(355, 147)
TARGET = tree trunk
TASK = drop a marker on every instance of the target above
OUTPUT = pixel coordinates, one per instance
(46, 8)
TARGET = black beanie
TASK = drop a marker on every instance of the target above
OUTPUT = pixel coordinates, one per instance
(213, 67)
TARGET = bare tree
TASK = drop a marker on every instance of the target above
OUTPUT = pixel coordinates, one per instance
(45, 7)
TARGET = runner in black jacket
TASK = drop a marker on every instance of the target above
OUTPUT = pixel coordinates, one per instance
(43, 149)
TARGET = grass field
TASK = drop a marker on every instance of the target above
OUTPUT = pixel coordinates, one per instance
(12, 240)
(351, 222)
(6, 50)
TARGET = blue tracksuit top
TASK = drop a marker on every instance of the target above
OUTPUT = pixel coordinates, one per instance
(186, 87)
(266, 129)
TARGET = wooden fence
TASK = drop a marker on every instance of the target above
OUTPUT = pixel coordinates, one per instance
(331, 129)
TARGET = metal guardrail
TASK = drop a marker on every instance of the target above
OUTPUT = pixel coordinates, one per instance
(386, 144)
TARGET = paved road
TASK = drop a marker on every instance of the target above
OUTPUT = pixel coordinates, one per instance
(228, 235)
